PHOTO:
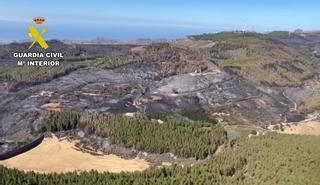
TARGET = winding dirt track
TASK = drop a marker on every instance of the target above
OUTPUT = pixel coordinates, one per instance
(61, 157)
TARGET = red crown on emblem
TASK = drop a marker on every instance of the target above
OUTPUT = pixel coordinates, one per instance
(39, 20)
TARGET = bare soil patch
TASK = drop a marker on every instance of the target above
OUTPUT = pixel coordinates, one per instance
(52, 106)
(44, 93)
(139, 50)
(87, 93)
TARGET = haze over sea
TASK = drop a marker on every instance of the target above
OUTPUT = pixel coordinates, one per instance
(170, 19)
(19, 31)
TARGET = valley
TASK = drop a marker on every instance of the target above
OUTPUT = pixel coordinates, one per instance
(210, 104)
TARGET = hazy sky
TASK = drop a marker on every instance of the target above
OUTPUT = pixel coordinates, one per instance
(124, 19)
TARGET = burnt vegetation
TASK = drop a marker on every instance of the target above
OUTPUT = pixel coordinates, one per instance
(200, 134)
(163, 57)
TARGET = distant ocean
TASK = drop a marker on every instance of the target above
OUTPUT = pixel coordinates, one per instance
(10, 31)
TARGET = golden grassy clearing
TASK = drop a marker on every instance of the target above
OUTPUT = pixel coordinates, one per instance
(304, 128)
(61, 156)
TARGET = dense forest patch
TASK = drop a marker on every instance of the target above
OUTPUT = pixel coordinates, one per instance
(183, 138)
